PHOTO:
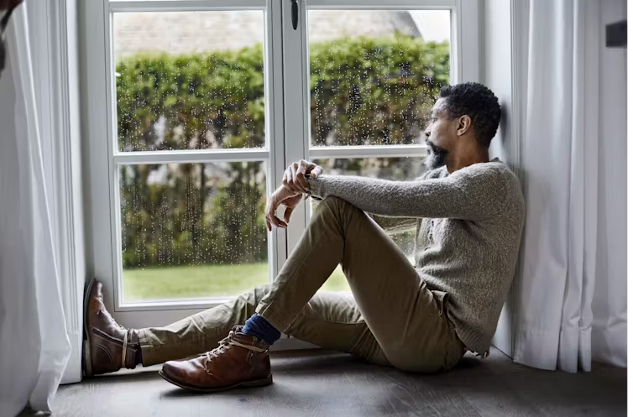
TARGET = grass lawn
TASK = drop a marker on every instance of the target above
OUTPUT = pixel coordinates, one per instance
(204, 281)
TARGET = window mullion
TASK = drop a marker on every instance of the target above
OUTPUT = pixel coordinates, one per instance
(296, 107)
(191, 156)
(386, 151)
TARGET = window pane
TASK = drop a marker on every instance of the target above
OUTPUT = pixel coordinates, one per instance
(397, 169)
(192, 230)
(189, 80)
(375, 74)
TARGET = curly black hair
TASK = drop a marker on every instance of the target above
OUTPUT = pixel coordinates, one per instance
(477, 101)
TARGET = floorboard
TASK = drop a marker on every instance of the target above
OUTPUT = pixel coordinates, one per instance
(316, 383)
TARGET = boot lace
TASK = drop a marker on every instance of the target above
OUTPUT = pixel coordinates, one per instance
(225, 344)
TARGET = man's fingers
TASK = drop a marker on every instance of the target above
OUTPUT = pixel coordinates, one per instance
(271, 217)
(316, 171)
(269, 224)
(276, 222)
(291, 181)
(300, 179)
(270, 210)
(301, 167)
(287, 214)
(285, 179)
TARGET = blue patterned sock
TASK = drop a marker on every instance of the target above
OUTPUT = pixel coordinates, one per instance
(259, 327)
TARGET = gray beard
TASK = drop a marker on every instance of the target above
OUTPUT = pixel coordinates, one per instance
(436, 158)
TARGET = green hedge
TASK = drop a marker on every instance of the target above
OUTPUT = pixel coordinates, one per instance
(363, 91)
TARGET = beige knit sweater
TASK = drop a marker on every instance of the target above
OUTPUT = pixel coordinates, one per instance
(468, 228)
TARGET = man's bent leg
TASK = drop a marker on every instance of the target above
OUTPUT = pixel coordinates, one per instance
(329, 320)
(406, 318)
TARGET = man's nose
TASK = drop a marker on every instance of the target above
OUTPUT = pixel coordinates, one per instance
(427, 133)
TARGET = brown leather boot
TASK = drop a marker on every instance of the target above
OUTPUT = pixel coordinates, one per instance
(240, 361)
(107, 346)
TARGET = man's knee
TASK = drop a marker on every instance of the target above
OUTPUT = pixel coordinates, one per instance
(339, 207)
(335, 202)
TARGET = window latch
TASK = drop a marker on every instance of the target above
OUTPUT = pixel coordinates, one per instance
(295, 14)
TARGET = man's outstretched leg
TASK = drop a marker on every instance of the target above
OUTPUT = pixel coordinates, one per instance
(110, 347)
(330, 320)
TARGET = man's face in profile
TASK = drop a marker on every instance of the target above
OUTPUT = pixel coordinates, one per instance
(437, 136)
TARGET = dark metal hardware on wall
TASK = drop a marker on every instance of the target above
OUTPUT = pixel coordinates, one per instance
(616, 34)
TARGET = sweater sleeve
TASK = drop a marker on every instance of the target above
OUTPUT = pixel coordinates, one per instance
(471, 193)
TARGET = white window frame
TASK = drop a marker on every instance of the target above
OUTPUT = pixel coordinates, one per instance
(287, 117)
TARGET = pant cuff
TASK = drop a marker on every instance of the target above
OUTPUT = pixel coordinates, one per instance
(148, 351)
(280, 320)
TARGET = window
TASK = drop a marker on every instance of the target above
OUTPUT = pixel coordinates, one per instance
(197, 106)
(191, 230)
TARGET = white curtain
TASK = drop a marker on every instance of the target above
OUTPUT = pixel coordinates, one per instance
(33, 341)
(560, 149)
(609, 301)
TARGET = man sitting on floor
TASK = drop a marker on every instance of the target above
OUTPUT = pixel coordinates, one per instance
(468, 213)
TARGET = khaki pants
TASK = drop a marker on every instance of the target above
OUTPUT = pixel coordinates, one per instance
(392, 318)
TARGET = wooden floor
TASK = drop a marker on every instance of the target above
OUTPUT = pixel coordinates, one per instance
(314, 383)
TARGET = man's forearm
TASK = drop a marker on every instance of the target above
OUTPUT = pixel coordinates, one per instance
(368, 194)
(472, 193)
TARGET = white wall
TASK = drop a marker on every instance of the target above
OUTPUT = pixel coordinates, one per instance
(497, 75)
(609, 303)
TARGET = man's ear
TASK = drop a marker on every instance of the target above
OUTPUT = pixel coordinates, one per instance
(463, 124)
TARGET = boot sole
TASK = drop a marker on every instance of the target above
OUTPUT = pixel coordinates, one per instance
(246, 384)
(87, 360)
